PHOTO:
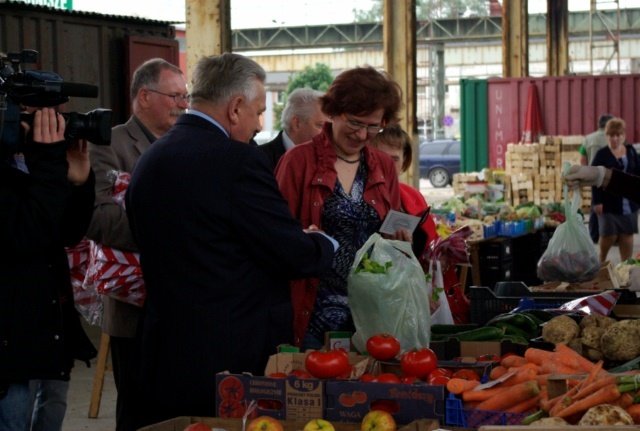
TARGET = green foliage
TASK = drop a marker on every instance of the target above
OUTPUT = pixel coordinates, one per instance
(318, 78)
(428, 9)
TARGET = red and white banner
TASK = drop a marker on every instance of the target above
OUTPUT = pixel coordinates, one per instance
(601, 303)
(86, 299)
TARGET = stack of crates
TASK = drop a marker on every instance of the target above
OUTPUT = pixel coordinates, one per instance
(547, 188)
(461, 180)
(522, 163)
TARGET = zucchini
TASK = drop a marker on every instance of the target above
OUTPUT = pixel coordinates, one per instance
(451, 329)
(510, 329)
(485, 333)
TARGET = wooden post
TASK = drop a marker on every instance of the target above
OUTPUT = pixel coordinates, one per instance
(208, 30)
(557, 37)
(515, 39)
(98, 377)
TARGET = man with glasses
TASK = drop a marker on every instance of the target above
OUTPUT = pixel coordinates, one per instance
(159, 96)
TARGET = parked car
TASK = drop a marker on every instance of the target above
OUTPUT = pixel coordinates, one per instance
(439, 160)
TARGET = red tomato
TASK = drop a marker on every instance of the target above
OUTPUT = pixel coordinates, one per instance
(438, 380)
(327, 365)
(301, 374)
(277, 375)
(466, 373)
(441, 372)
(418, 362)
(388, 378)
(197, 426)
(409, 380)
(368, 377)
(231, 409)
(383, 347)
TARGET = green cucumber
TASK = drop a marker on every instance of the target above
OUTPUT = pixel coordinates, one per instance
(510, 329)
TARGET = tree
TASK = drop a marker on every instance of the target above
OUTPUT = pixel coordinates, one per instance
(429, 9)
(318, 78)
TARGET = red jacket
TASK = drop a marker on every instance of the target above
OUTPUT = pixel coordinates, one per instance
(306, 176)
(414, 203)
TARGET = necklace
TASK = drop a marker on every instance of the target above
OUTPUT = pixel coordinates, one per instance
(347, 160)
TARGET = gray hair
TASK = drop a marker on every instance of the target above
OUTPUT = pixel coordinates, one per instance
(217, 79)
(302, 103)
(148, 74)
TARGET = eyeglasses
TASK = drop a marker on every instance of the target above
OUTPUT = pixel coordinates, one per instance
(356, 126)
(178, 98)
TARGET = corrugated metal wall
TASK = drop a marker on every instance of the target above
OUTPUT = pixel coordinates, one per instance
(81, 47)
(474, 154)
(570, 105)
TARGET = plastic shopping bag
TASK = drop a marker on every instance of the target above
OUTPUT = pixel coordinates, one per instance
(440, 310)
(570, 255)
(388, 294)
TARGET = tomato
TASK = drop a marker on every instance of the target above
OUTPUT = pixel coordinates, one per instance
(383, 347)
(440, 372)
(388, 378)
(368, 377)
(438, 380)
(231, 388)
(301, 374)
(347, 400)
(409, 380)
(466, 373)
(418, 362)
(327, 365)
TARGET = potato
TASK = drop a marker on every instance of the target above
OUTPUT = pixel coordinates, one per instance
(560, 329)
(592, 354)
(606, 414)
(576, 344)
(550, 422)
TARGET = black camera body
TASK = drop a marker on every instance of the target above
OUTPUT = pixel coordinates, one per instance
(34, 88)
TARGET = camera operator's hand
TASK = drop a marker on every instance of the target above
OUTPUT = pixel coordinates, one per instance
(48, 126)
(78, 159)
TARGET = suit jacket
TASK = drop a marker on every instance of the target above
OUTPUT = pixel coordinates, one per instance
(624, 185)
(217, 244)
(274, 149)
(612, 203)
(109, 225)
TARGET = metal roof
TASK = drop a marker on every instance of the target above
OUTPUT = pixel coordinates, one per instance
(29, 6)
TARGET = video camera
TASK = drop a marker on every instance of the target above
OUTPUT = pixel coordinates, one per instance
(35, 88)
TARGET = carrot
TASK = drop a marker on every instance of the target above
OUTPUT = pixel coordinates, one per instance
(537, 356)
(510, 396)
(458, 386)
(558, 368)
(624, 401)
(523, 375)
(634, 411)
(594, 386)
(547, 404)
(498, 372)
(543, 379)
(526, 405)
(513, 361)
(571, 358)
(605, 395)
(482, 395)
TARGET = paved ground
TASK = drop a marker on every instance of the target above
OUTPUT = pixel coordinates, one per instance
(82, 377)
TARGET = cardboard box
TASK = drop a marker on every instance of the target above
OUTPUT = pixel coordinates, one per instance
(291, 398)
(180, 423)
(350, 401)
(454, 348)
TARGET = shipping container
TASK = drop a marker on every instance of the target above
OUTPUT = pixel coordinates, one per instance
(84, 47)
(570, 105)
(473, 126)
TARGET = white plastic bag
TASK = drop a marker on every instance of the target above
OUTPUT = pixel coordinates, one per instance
(440, 310)
(388, 294)
(570, 255)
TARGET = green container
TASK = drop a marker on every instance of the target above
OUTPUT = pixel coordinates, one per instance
(474, 125)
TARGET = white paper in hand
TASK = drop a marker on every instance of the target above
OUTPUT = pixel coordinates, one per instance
(397, 220)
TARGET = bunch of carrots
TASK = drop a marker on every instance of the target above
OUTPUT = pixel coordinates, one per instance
(523, 380)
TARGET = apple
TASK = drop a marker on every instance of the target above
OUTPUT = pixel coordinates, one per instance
(265, 423)
(318, 425)
(198, 426)
(378, 420)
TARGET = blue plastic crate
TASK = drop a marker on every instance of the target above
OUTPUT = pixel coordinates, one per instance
(457, 415)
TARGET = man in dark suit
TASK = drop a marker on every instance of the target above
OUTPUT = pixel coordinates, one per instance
(217, 244)
(159, 96)
(302, 119)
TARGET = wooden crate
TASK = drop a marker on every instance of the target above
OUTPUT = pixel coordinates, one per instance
(544, 189)
(522, 158)
(521, 188)
(460, 181)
